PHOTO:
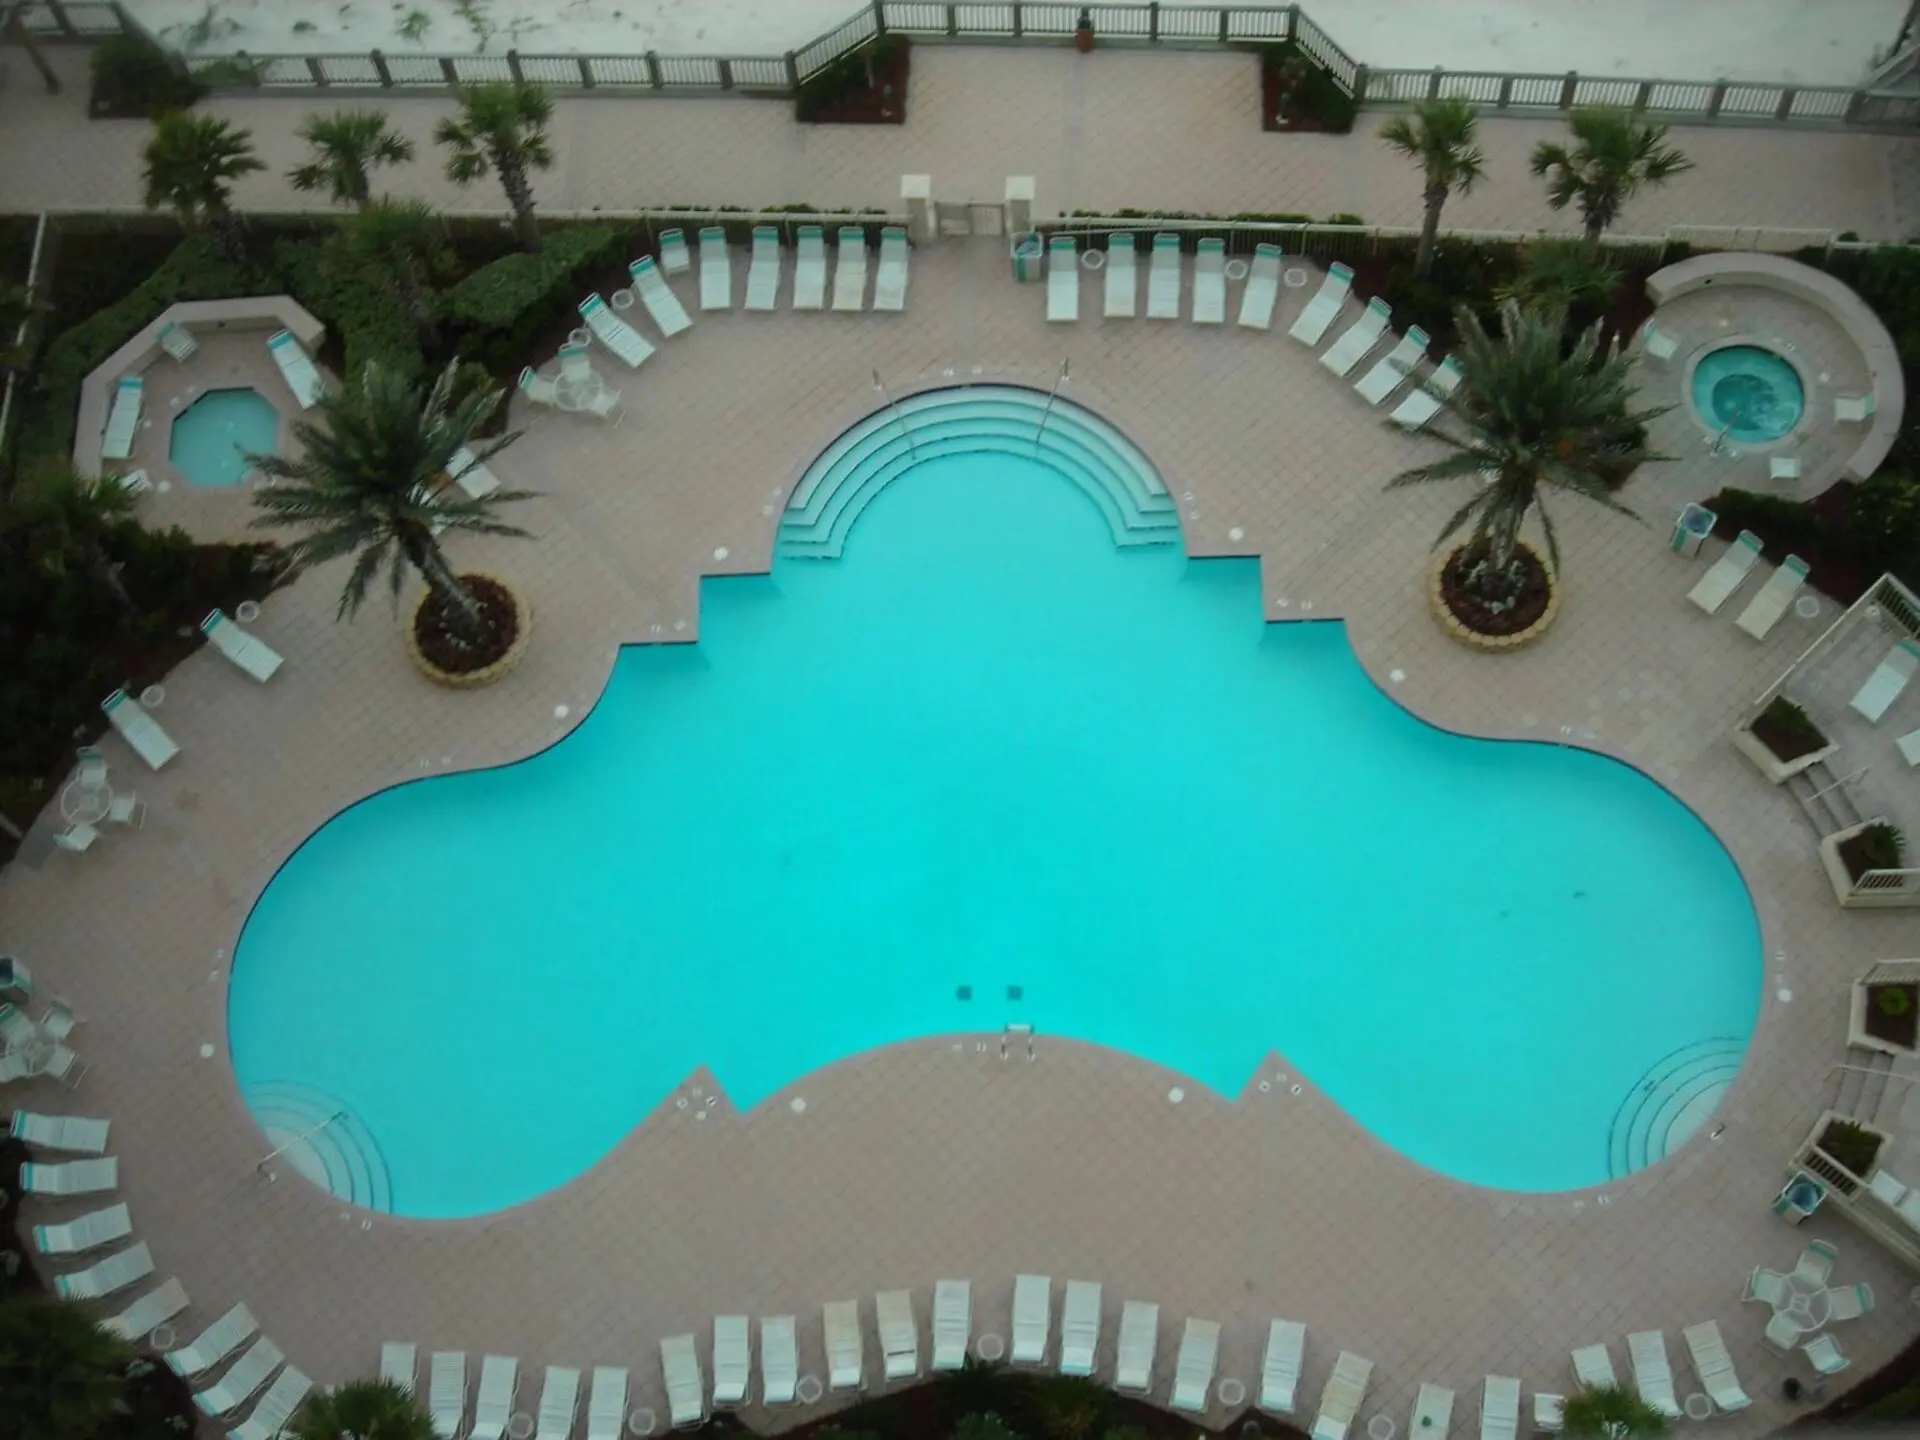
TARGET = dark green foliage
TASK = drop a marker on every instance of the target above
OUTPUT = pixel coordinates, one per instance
(1315, 94)
(1892, 1000)
(845, 76)
(361, 1410)
(1464, 273)
(1881, 846)
(988, 1426)
(358, 306)
(1854, 1147)
(1791, 723)
(499, 311)
(1070, 1408)
(1613, 1412)
(1850, 536)
(132, 77)
(64, 1375)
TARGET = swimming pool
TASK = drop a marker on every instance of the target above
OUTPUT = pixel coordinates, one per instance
(991, 766)
(1748, 391)
(210, 435)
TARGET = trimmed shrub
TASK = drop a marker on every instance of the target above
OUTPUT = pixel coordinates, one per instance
(500, 310)
(134, 77)
(356, 304)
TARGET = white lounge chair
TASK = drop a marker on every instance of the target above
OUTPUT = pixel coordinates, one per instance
(890, 281)
(1853, 409)
(1123, 278)
(1193, 1370)
(116, 442)
(1280, 1367)
(1395, 366)
(493, 1406)
(1500, 1408)
(539, 391)
(72, 1177)
(846, 1353)
(607, 1405)
(810, 269)
(1652, 1375)
(286, 1395)
(297, 369)
(1340, 1400)
(732, 1359)
(899, 1335)
(74, 1133)
(1139, 1338)
(1320, 311)
(952, 1323)
(1771, 600)
(84, 1232)
(1849, 1302)
(614, 333)
(152, 1309)
(1825, 1355)
(1723, 577)
(850, 269)
(1032, 1318)
(1657, 343)
(447, 1392)
(1210, 283)
(1714, 1366)
(1782, 1333)
(1163, 278)
(1888, 680)
(134, 482)
(716, 270)
(178, 341)
(673, 252)
(1063, 280)
(139, 729)
(779, 1360)
(1080, 1327)
(228, 1334)
(1784, 468)
(662, 304)
(245, 1376)
(1593, 1367)
(475, 480)
(1360, 337)
(1432, 1413)
(559, 1403)
(1424, 401)
(763, 270)
(242, 647)
(1262, 289)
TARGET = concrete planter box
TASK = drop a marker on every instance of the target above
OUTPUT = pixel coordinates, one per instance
(500, 668)
(1842, 882)
(1827, 1117)
(1857, 1035)
(1473, 639)
(1770, 765)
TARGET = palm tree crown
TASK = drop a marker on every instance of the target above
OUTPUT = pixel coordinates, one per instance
(361, 1410)
(503, 128)
(1612, 157)
(191, 164)
(346, 146)
(1535, 414)
(1440, 139)
(402, 240)
(370, 482)
(63, 1375)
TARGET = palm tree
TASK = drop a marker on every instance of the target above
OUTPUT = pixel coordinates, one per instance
(1439, 138)
(1610, 1412)
(371, 482)
(1613, 155)
(192, 162)
(63, 1375)
(1536, 414)
(1565, 273)
(362, 1410)
(503, 128)
(346, 146)
(401, 240)
(58, 520)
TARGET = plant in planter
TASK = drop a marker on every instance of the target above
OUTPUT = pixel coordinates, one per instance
(1893, 1013)
(1787, 730)
(1610, 1412)
(1851, 1146)
(1298, 93)
(1083, 30)
(362, 1410)
(1878, 846)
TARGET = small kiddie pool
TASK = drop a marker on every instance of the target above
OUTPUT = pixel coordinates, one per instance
(1750, 392)
(211, 436)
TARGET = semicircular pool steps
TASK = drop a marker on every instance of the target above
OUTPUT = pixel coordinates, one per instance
(325, 1141)
(1002, 419)
(1671, 1102)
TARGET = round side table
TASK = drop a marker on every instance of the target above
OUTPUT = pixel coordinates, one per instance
(247, 611)
(154, 696)
(640, 1422)
(1236, 269)
(1092, 259)
(520, 1426)
(621, 299)
(992, 1348)
(1699, 1407)
(1807, 608)
(1380, 1427)
(1233, 1394)
(161, 1337)
(809, 1390)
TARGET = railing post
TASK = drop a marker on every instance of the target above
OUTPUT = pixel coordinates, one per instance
(653, 68)
(65, 21)
(1153, 21)
(953, 23)
(1360, 77)
(1293, 21)
(1856, 106)
(1567, 88)
(1433, 84)
(447, 72)
(1715, 98)
(380, 68)
(879, 17)
(313, 69)
(1644, 98)
(1505, 97)
(793, 72)
(726, 72)
(1019, 20)
(1784, 110)
(1226, 19)
(587, 81)
(513, 67)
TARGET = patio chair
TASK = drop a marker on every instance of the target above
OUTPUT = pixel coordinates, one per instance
(1390, 369)
(1784, 468)
(1262, 288)
(890, 281)
(732, 1360)
(1849, 1302)
(116, 1272)
(1320, 312)
(1853, 409)
(1714, 1365)
(150, 1311)
(178, 341)
(716, 270)
(1816, 1262)
(1210, 283)
(1139, 1337)
(1280, 1367)
(1163, 278)
(247, 651)
(1432, 1413)
(1063, 280)
(846, 1353)
(77, 838)
(1772, 599)
(952, 1323)
(1782, 1333)
(1032, 1317)
(245, 1376)
(1723, 577)
(536, 389)
(614, 333)
(899, 1335)
(127, 808)
(763, 270)
(810, 269)
(447, 1392)
(574, 365)
(673, 252)
(75, 1133)
(1500, 1408)
(123, 420)
(134, 482)
(84, 1232)
(1123, 278)
(1888, 680)
(1424, 401)
(66, 1067)
(1549, 1413)
(559, 1403)
(286, 1395)
(1593, 1367)
(493, 1406)
(91, 772)
(399, 1362)
(139, 729)
(1360, 338)
(779, 1360)
(1193, 1369)
(662, 304)
(72, 1177)
(1342, 1396)
(475, 480)
(850, 270)
(58, 1020)
(1656, 342)
(297, 369)
(13, 1064)
(1768, 1287)
(1825, 1355)
(607, 1404)
(1080, 1327)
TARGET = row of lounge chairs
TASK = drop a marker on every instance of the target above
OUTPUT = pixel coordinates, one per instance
(129, 393)
(136, 725)
(1768, 604)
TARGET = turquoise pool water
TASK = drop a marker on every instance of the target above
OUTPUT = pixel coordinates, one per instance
(991, 766)
(1750, 392)
(210, 435)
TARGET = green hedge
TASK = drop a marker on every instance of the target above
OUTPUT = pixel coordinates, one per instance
(356, 304)
(498, 313)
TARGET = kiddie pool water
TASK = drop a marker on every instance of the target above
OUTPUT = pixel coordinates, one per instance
(1749, 391)
(210, 435)
(989, 768)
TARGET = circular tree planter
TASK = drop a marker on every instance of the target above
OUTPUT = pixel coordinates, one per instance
(1540, 603)
(435, 652)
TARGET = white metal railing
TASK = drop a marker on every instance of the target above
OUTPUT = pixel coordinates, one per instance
(1884, 882)
(300, 1139)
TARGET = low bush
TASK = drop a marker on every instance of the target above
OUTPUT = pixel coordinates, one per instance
(1312, 94)
(133, 77)
(1850, 535)
(497, 313)
(835, 86)
(356, 304)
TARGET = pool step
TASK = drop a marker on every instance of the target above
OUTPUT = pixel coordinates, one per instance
(1670, 1103)
(321, 1138)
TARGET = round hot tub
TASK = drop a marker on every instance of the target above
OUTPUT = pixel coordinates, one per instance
(1749, 392)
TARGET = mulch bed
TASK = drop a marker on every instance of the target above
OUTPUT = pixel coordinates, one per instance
(438, 628)
(1473, 610)
(1785, 743)
(881, 102)
(1902, 1029)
